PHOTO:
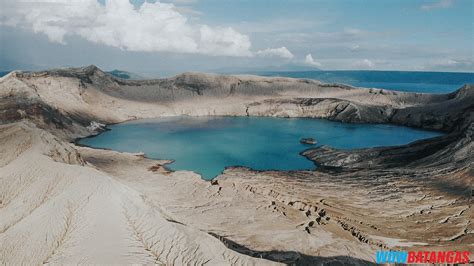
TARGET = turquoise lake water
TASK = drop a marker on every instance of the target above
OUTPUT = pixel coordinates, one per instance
(207, 145)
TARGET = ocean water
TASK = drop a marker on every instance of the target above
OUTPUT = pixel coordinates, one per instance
(207, 145)
(409, 81)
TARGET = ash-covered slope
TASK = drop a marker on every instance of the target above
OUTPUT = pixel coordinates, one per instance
(69, 100)
(55, 208)
(60, 203)
(88, 93)
(191, 85)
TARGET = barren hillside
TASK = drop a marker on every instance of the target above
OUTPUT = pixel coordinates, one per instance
(60, 203)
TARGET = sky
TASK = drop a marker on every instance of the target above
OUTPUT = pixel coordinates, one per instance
(158, 38)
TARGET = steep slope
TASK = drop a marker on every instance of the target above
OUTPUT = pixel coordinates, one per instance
(60, 203)
(90, 94)
(59, 210)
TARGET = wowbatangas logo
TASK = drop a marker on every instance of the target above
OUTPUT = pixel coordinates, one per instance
(414, 257)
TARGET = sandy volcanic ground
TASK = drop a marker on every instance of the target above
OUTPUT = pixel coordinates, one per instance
(60, 203)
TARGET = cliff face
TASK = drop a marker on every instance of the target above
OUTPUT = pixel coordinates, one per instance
(88, 93)
(81, 205)
(69, 100)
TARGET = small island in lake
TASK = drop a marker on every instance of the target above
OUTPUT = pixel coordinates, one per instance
(309, 141)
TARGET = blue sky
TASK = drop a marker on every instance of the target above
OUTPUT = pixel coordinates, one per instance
(207, 35)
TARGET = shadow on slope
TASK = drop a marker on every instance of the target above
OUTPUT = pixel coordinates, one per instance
(291, 257)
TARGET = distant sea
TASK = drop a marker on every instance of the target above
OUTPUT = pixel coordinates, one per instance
(3, 73)
(410, 81)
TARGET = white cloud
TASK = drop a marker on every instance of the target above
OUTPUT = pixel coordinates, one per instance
(310, 61)
(438, 4)
(365, 63)
(150, 27)
(282, 52)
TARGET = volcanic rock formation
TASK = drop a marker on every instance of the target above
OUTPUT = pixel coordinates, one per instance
(61, 203)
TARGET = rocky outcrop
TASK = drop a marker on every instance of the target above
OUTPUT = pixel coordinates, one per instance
(70, 101)
(326, 108)
(454, 150)
(453, 112)
(88, 94)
